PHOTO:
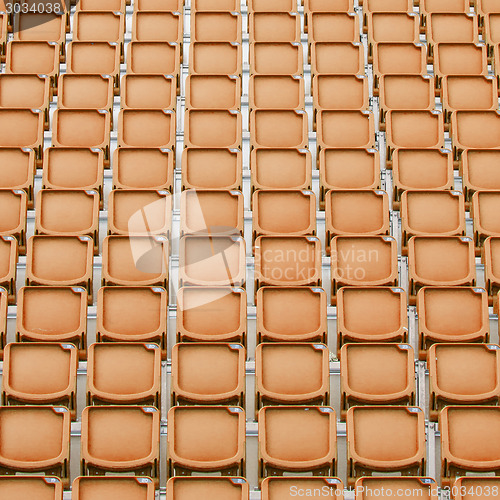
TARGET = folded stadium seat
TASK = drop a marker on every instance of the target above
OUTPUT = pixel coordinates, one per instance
(405, 92)
(60, 261)
(121, 439)
(223, 488)
(208, 373)
(8, 262)
(156, 58)
(431, 6)
(135, 261)
(13, 206)
(265, 6)
(356, 212)
(371, 314)
(297, 439)
(333, 27)
(459, 59)
(40, 374)
(475, 129)
(387, 5)
(465, 487)
(212, 128)
(73, 169)
(484, 206)
(451, 314)
(35, 439)
(213, 92)
(271, 128)
(414, 129)
(104, 5)
(421, 169)
(22, 128)
(80, 209)
(463, 374)
(385, 439)
(113, 488)
(124, 373)
(132, 314)
(211, 168)
(491, 28)
(211, 212)
(215, 58)
(159, 5)
(490, 255)
(337, 58)
(82, 128)
(292, 373)
(276, 58)
(348, 169)
(452, 27)
(284, 168)
(3, 35)
(156, 168)
(206, 260)
(478, 170)
(17, 170)
(274, 488)
(95, 58)
(206, 439)
(139, 212)
(274, 27)
(405, 487)
(291, 314)
(363, 261)
(469, 441)
(376, 373)
(287, 261)
(485, 7)
(211, 314)
(328, 6)
(216, 26)
(276, 92)
(147, 128)
(284, 212)
(43, 488)
(26, 91)
(161, 26)
(440, 261)
(432, 212)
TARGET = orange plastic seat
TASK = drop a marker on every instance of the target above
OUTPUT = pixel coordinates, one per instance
(157, 26)
(265, 6)
(278, 128)
(452, 27)
(469, 441)
(460, 59)
(208, 373)
(156, 58)
(212, 128)
(124, 373)
(404, 487)
(432, 212)
(121, 439)
(191, 448)
(148, 92)
(274, 26)
(490, 255)
(143, 168)
(8, 262)
(132, 314)
(479, 171)
(223, 488)
(463, 374)
(464, 486)
(212, 260)
(13, 206)
(135, 261)
(371, 314)
(385, 438)
(485, 7)
(35, 439)
(3, 34)
(211, 314)
(431, 6)
(274, 488)
(297, 439)
(40, 374)
(276, 58)
(485, 204)
(475, 130)
(53, 314)
(43, 488)
(22, 128)
(291, 314)
(213, 92)
(211, 168)
(287, 261)
(104, 5)
(291, 373)
(387, 5)
(139, 212)
(159, 5)
(491, 28)
(284, 212)
(276, 92)
(221, 26)
(99, 488)
(392, 27)
(356, 212)
(333, 27)
(337, 58)
(285, 168)
(340, 92)
(363, 261)
(371, 374)
(4, 302)
(211, 212)
(215, 58)
(17, 170)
